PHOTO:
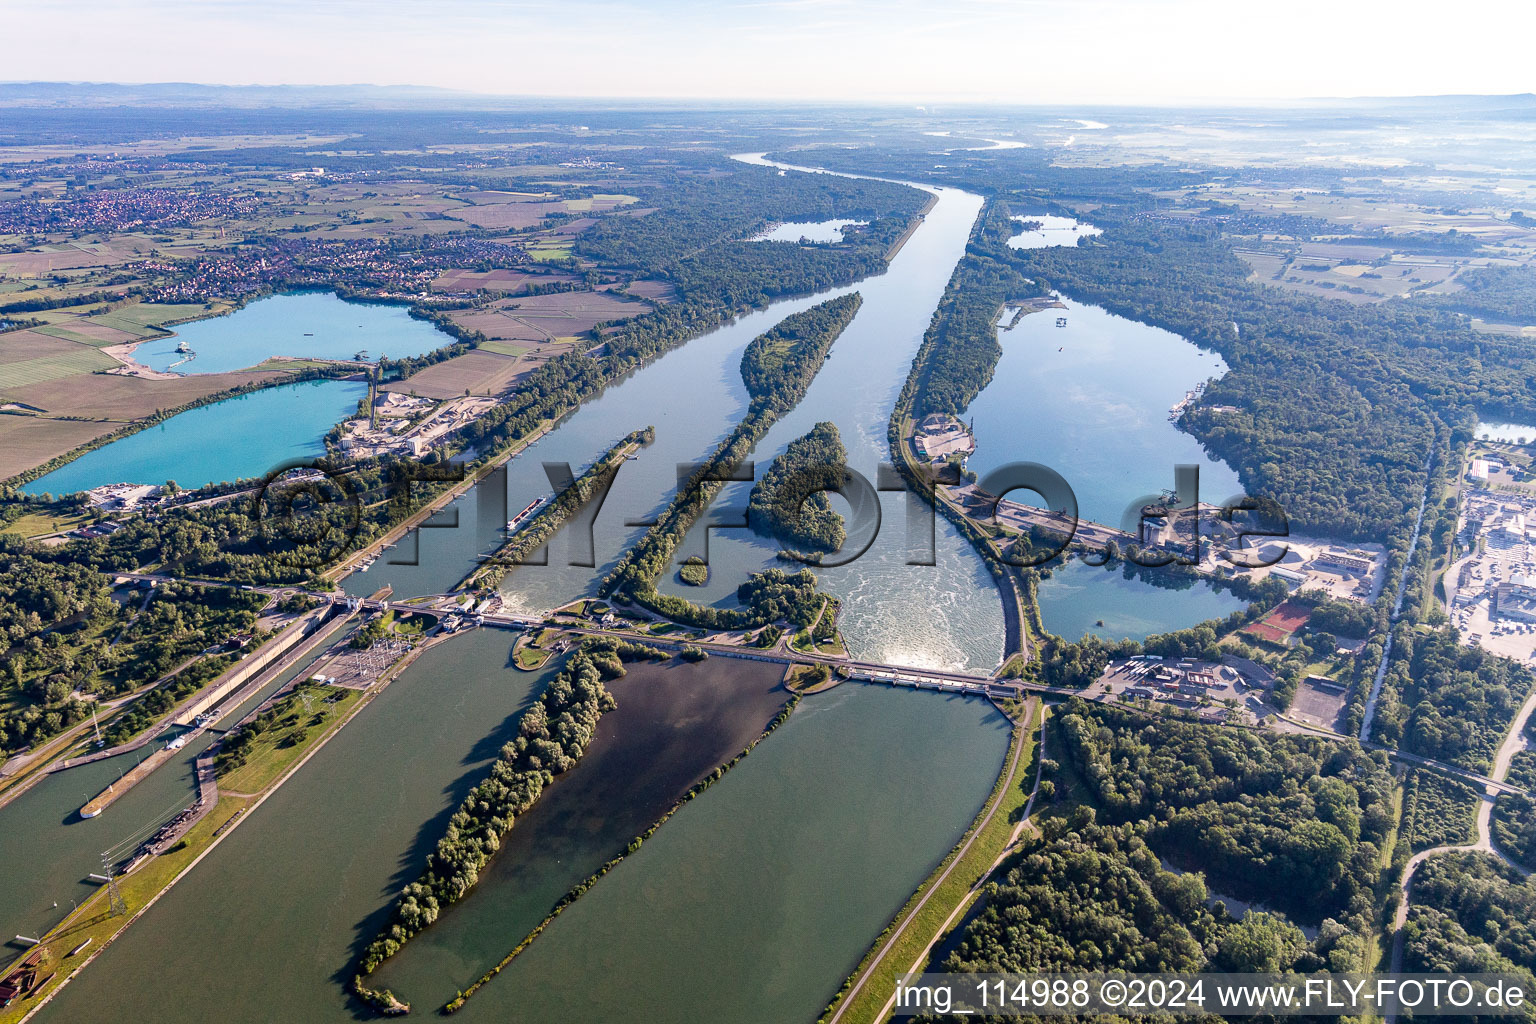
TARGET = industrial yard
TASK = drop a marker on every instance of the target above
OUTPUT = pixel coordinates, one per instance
(1490, 590)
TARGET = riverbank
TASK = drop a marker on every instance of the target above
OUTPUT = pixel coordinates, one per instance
(917, 222)
(952, 888)
(142, 887)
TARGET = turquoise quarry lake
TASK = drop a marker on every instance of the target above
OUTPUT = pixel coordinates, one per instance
(310, 325)
(238, 437)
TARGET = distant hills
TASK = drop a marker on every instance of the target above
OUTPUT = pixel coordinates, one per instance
(190, 95)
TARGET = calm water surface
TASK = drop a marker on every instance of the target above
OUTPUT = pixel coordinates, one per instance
(943, 615)
(312, 325)
(47, 850)
(268, 926)
(229, 440)
(1053, 230)
(1513, 433)
(674, 724)
(753, 903)
(807, 231)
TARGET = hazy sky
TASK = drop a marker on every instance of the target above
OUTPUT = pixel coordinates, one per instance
(1019, 51)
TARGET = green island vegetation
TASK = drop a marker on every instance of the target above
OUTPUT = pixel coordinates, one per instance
(964, 350)
(533, 651)
(777, 366)
(1471, 913)
(790, 501)
(807, 678)
(552, 735)
(69, 640)
(691, 241)
(1438, 811)
(534, 534)
(581, 888)
(693, 571)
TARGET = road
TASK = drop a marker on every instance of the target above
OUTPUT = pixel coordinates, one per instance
(976, 887)
(1514, 742)
(900, 930)
(988, 686)
(1397, 609)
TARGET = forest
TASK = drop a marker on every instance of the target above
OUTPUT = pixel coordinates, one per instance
(69, 639)
(1293, 821)
(695, 237)
(1454, 703)
(1471, 913)
(1085, 895)
(1498, 294)
(790, 501)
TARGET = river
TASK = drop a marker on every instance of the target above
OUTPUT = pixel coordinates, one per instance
(944, 615)
(755, 901)
(771, 885)
(675, 723)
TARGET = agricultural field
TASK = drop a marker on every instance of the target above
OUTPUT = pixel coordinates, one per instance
(71, 360)
(90, 332)
(479, 372)
(520, 210)
(560, 316)
(494, 280)
(27, 441)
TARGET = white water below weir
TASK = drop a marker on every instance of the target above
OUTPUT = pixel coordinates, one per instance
(1397, 609)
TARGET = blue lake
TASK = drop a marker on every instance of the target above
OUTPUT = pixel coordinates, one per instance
(314, 325)
(1078, 597)
(1510, 433)
(1091, 400)
(806, 231)
(238, 437)
(1053, 230)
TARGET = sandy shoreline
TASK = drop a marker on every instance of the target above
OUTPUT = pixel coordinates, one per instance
(131, 367)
